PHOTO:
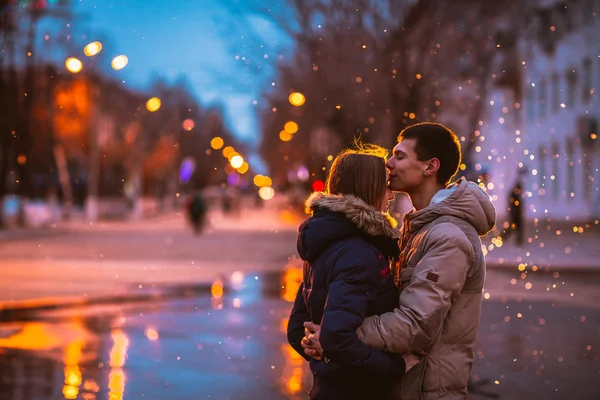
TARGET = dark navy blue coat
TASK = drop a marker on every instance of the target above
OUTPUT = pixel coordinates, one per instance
(346, 247)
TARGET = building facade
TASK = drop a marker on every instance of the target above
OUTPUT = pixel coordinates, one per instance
(546, 132)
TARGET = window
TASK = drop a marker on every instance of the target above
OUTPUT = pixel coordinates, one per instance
(587, 79)
(554, 177)
(555, 93)
(588, 176)
(587, 11)
(570, 169)
(530, 104)
(543, 97)
(542, 168)
(571, 85)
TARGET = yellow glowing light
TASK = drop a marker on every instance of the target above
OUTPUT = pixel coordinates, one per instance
(70, 392)
(266, 193)
(296, 99)
(119, 62)
(236, 161)
(216, 143)
(593, 136)
(295, 384)
(216, 289)
(227, 151)
(329, 157)
(73, 65)
(463, 167)
(291, 127)
(152, 334)
(411, 115)
(244, 168)
(291, 281)
(153, 104)
(118, 352)
(285, 136)
(258, 180)
(92, 49)
(188, 124)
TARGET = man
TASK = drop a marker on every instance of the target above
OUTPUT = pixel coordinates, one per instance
(441, 269)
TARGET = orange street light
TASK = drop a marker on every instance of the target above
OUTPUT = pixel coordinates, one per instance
(153, 104)
(236, 161)
(119, 62)
(296, 99)
(92, 49)
(216, 143)
(291, 127)
(73, 65)
(266, 193)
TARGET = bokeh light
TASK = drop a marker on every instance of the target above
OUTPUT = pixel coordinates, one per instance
(266, 193)
(318, 186)
(92, 49)
(291, 127)
(261, 180)
(73, 65)
(119, 62)
(227, 151)
(244, 168)
(236, 161)
(285, 136)
(188, 124)
(296, 99)
(216, 143)
(153, 104)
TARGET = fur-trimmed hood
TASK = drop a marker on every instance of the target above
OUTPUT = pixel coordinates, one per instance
(337, 217)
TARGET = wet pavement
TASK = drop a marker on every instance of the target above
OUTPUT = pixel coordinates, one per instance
(231, 345)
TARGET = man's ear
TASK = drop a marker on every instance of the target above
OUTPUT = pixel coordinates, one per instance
(432, 167)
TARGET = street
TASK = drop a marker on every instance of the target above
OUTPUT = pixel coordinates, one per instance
(234, 347)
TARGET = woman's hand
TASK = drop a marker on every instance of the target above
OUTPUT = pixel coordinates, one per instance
(310, 341)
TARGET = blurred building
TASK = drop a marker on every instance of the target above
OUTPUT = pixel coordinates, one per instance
(542, 127)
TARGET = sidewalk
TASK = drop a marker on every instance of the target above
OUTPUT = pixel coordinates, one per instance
(78, 263)
(558, 249)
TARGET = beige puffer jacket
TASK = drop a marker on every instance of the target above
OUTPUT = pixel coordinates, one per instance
(440, 275)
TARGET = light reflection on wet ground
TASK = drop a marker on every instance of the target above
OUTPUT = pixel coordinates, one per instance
(231, 345)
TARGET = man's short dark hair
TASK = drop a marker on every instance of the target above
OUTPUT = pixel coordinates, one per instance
(436, 141)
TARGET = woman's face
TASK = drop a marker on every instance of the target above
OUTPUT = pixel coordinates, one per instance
(389, 196)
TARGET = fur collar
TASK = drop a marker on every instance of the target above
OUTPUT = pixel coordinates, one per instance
(373, 222)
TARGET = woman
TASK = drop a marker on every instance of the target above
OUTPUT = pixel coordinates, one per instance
(347, 244)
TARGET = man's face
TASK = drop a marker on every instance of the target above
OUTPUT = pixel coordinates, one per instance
(406, 172)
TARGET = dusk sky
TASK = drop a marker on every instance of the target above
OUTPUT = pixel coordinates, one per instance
(198, 38)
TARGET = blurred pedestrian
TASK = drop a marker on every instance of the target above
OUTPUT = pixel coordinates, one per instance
(515, 213)
(197, 210)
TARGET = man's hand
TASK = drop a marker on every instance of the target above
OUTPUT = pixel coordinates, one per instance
(310, 342)
(411, 359)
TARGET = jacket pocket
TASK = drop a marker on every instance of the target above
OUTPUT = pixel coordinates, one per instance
(412, 383)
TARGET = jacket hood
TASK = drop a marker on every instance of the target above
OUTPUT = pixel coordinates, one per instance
(462, 199)
(336, 217)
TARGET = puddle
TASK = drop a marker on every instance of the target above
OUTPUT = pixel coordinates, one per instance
(230, 343)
